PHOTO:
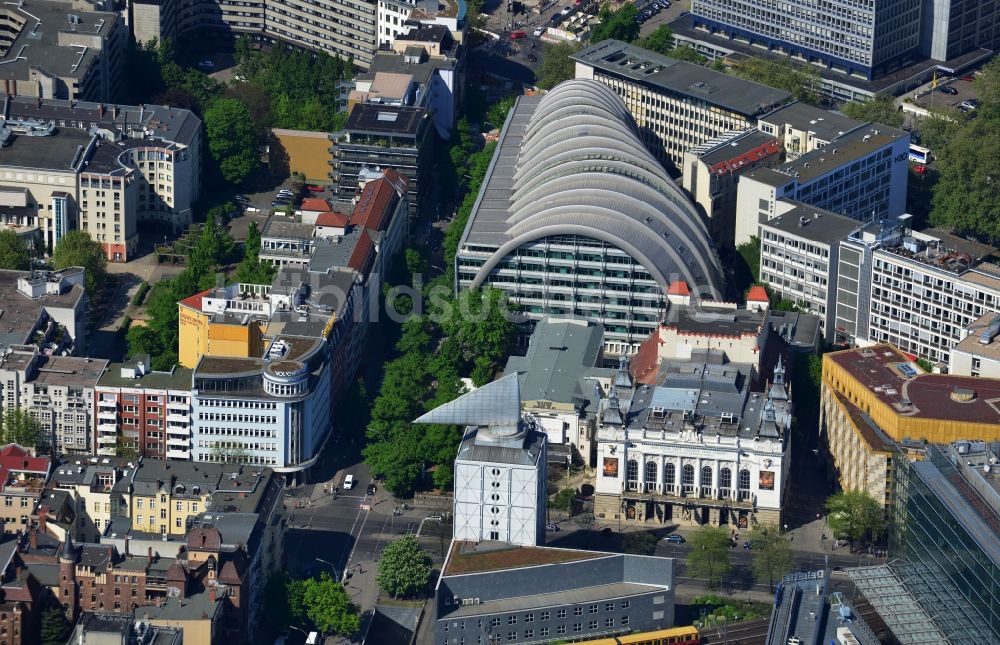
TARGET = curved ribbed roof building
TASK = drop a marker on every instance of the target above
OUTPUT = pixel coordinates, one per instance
(575, 216)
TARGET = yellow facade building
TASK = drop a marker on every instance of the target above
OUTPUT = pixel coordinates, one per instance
(222, 322)
(876, 399)
(305, 152)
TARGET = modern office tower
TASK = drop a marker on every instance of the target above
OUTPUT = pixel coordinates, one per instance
(576, 216)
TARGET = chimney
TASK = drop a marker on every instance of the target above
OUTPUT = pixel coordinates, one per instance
(33, 537)
(126, 546)
(211, 594)
(100, 110)
(43, 512)
(149, 556)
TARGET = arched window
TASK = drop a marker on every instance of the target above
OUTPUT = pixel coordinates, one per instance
(744, 484)
(632, 475)
(706, 480)
(651, 472)
(687, 478)
(669, 477)
(725, 480)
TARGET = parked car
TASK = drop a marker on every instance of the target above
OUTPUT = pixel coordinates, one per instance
(532, 58)
(969, 78)
(920, 169)
(349, 482)
(372, 489)
(971, 104)
(315, 189)
(552, 528)
(673, 538)
(539, 31)
(948, 89)
(206, 64)
(517, 35)
(566, 11)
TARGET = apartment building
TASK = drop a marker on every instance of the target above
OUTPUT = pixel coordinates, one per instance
(875, 398)
(861, 174)
(865, 39)
(43, 308)
(103, 169)
(287, 242)
(676, 105)
(51, 49)
(57, 391)
(799, 258)
(802, 128)
(710, 173)
(97, 488)
(142, 410)
(561, 235)
(978, 354)
(396, 17)
(22, 479)
(673, 452)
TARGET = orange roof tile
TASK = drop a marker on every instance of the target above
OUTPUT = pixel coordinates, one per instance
(14, 458)
(757, 293)
(194, 302)
(377, 201)
(315, 204)
(679, 288)
(361, 258)
(332, 219)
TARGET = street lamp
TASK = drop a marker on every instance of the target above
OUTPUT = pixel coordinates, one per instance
(332, 566)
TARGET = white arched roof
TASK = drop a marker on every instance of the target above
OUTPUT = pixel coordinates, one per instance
(582, 169)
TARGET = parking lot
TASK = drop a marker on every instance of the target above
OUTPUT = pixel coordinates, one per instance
(663, 17)
(941, 97)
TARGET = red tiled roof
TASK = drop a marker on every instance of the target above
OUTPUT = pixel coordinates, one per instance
(194, 302)
(757, 293)
(201, 539)
(315, 204)
(332, 219)
(678, 288)
(377, 201)
(646, 361)
(364, 250)
(14, 458)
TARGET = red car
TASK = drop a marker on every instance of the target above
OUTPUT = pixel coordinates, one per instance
(315, 189)
(517, 35)
(920, 169)
(969, 78)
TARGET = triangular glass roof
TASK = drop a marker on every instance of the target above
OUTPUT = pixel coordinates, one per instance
(494, 404)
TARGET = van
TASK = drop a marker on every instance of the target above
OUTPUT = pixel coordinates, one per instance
(349, 482)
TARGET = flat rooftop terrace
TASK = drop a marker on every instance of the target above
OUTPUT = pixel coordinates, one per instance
(468, 557)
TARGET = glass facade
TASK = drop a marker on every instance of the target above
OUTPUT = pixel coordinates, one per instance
(935, 521)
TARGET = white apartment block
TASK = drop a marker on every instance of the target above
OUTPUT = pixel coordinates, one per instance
(677, 105)
(978, 354)
(57, 391)
(397, 17)
(862, 174)
(799, 252)
(802, 128)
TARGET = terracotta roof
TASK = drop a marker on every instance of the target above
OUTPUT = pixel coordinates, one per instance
(201, 539)
(377, 201)
(315, 204)
(15, 458)
(194, 302)
(678, 288)
(361, 258)
(176, 573)
(332, 219)
(757, 293)
(646, 361)
(229, 575)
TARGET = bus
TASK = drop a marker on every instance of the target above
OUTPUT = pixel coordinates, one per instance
(672, 636)
(919, 154)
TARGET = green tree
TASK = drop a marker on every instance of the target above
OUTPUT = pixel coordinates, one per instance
(855, 515)
(639, 543)
(689, 54)
(415, 262)
(800, 81)
(617, 25)
(251, 270)
(709, 557)
(557, 66)
(660, 41)
(563, 500)
(497, 114)
(937, 131)
(17, 426)
(329, 607)
(404, 568)
(77, 249)
(232, 139)
(987, 86)
(13, 251)
(750, 252)
(965, 194)
(478, 322)
(284, 597)
(772, 554)
(881, 109)
(54, 626)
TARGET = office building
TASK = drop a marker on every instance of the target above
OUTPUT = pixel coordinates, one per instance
(44, 308)
(710, 173)
(142, 410)
(675, 452)
(806, 611)
(498, 592)
(57, 391)
(944, 530)
(675, 104)
(799, 258)
(100, 168)
(102, 629)
(286, 242)
(53, 49)
(978, 354)
(616, 234)
(952, 28)
(558, 375)
(22, 479)
(875, 398)
(344, 28)
(861, 174)
(500, 470)
(861, 39)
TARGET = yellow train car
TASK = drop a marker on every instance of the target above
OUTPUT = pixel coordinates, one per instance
(672, 636)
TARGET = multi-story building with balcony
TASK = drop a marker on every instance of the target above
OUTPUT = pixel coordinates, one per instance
(675, 104)
(44, 308)
(397, 17)
(57, 391)
(576, 217)
(99, 168)
(142, 410)
(697, 447)
(22, 479)
(861, 174)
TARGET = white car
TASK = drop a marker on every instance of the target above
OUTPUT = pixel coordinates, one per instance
(206, 64)
(538, 32)
(349, 482)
